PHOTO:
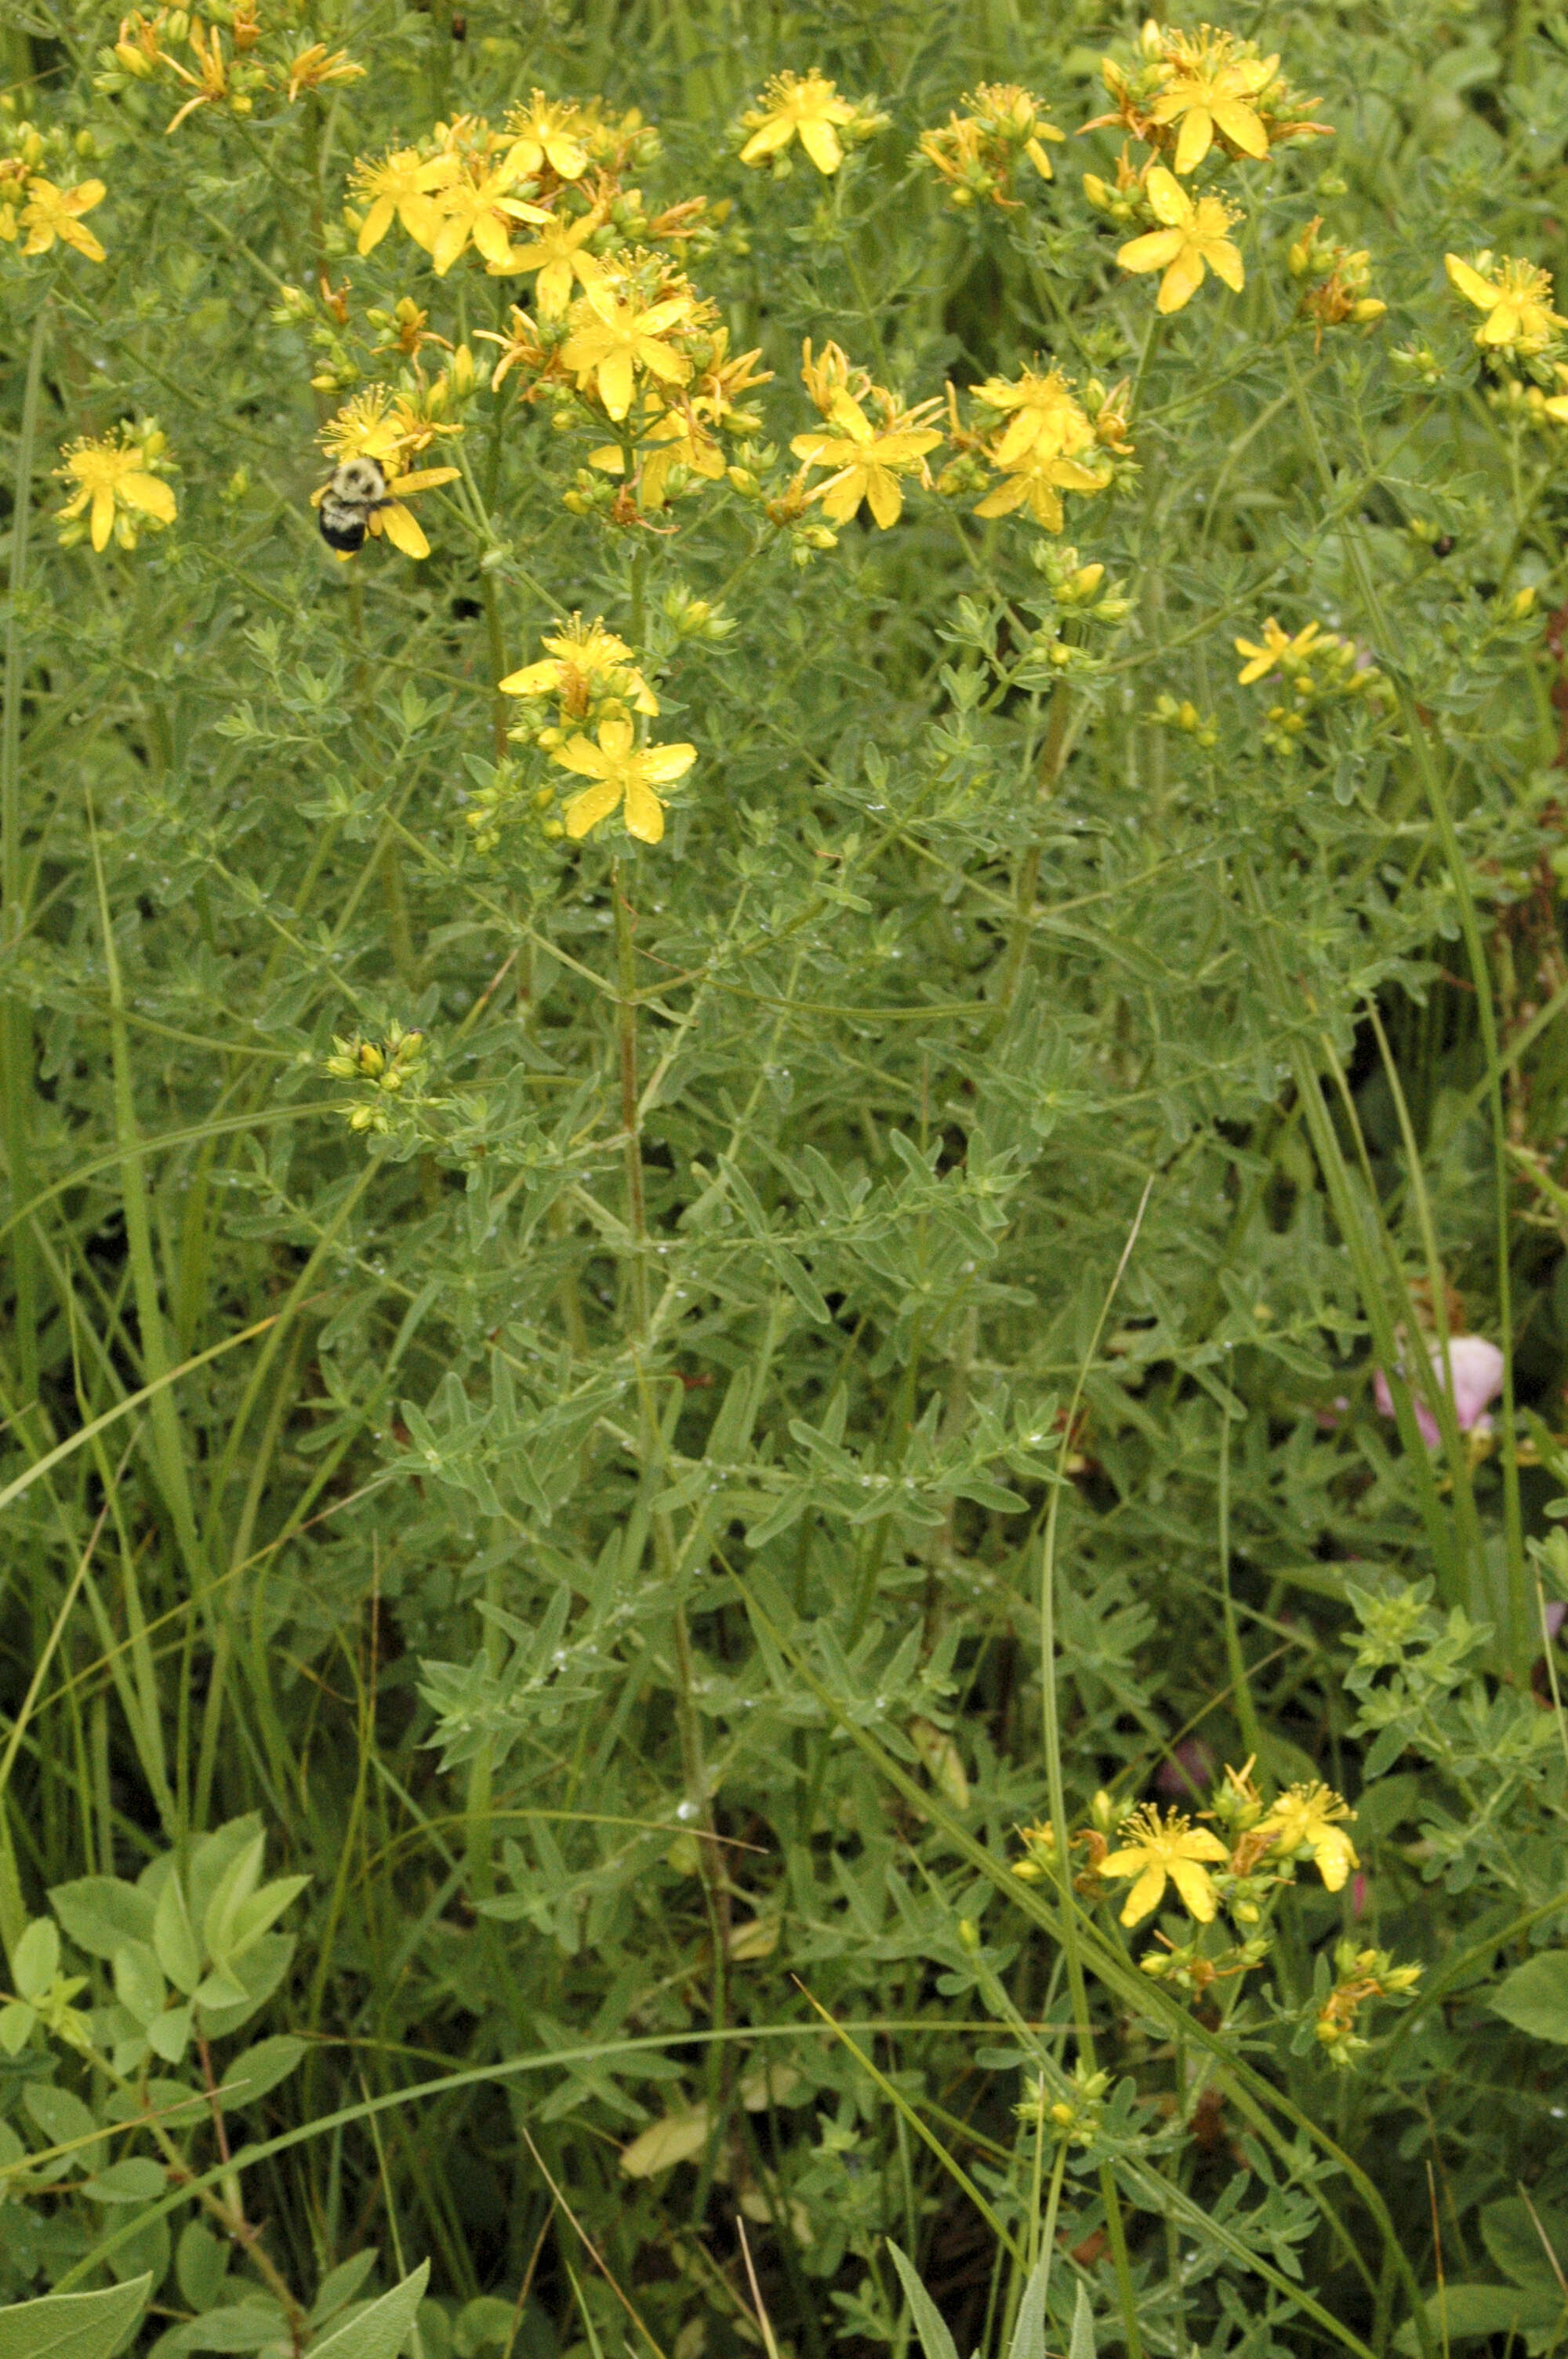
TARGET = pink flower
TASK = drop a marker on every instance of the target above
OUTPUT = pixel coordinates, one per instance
(1475, 1370)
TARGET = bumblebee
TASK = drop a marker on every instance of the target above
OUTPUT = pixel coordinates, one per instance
(356, 490)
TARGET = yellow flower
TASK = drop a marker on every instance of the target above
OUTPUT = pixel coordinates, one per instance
(869, 458)
(1277, 649)
(1194, 238)
(1045, 416)
(1211, 90)
(1159, 1848)
(1305, 1819)
(556, 254)
(610, 340)
(1038, 479)
(116, 487)
(315, 66)
(478, 212)
(623, 773)
(1517, 299)
(809, 106)
(543, 135)
(400, 187)
(582, 658)
(369, 426)
(50, 212)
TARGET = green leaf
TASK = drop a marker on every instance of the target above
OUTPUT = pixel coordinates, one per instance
(1534, 1997)
(1465, 2312)
(261, 2067)
(244, 1925)
(378, 2332)
(65, 2122)
(233, 1888)
(934, 2335)
(168, 2033)
(1029, 2334)
(138, 1985)
(138, 2179)
(238, 2326)
(174, 1938)
(1510, 2234)
(101, 1913)
(73, 2325)
(35, 1961)
(1082, 2345)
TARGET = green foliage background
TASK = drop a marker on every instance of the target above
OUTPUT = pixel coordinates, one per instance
(560, 1601)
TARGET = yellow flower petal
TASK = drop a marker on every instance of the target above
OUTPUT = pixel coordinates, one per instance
(820, 142)
(401, 527)
(1181, 281)
(145, 491)
(586, 810)
(1145, 1895)
(644, 813)
(1470, 283)
(1198, 1892)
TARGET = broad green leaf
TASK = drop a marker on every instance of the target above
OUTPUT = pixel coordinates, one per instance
(137, 2178)
(261, 2067)
(340, 2285)
(929, 2325)
(1534, 1997)
(1465, 2312)
(248, 2325)
(73, 2325)
(233, 1888)
(174, 1938)
(380, 2331)
(35, 1962)
(1510, 2234)
(244, 1925)
(200, 2264)
(65, 2122)
(139, 1985)
(101, 1913)
(168, 2033)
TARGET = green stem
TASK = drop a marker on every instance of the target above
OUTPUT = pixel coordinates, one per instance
(631, 1111)
(1246, 1710)
(17, 1034)
(1053, 1740)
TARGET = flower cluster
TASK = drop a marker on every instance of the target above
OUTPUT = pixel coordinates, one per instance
(119, 489)
(41, 202)
(383, 1068)
(1191, 98)
(260, 58)
(544, 192)
(807, 107)
(1338, 294)
(1189, 94)
(1041, 438)
(1317, 668)
(977, 153)
(869, 441)
(585, 699)
(1252, 1849)
(1360, 1976)
(392, 428)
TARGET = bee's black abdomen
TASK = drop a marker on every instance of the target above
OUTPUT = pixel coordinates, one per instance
(342, 527)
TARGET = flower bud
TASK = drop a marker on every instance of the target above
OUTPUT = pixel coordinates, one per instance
(970, 1934)
(1524, 602)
